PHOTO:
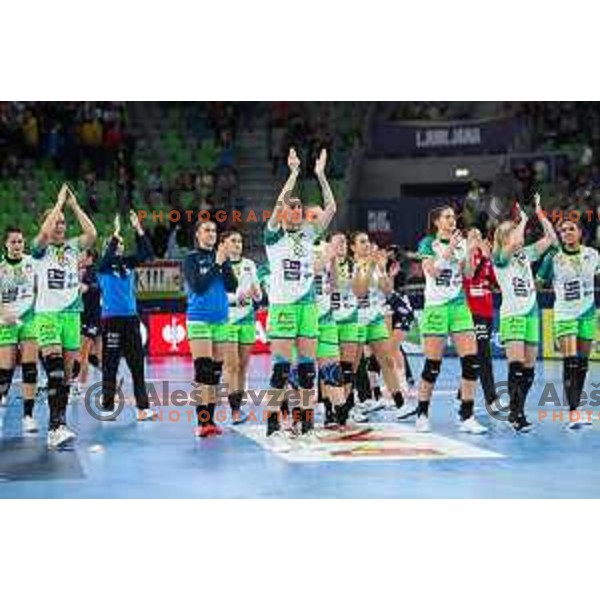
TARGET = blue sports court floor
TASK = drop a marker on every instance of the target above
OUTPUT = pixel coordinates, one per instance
(163, 459)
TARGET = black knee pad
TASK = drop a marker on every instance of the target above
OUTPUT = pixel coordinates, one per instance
(55, 368)
(30, 373)
(347, 372)
(470, 366)
(373, 365)
(203, 370)
(6, 377)
(331, 374)
(217, 372)
(280, 375)
(431, 370)
(306, 375)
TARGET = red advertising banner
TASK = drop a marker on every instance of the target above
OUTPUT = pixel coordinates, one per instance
(168, 334)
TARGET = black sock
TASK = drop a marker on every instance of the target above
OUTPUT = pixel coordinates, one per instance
(64, 402)
(377, 392)
(350, 400)
(570, 381)
(94, 361)
(54, 407)
(341, 414)
(581, 375)
(423, 408)
(515, 388)
(203, 414)
(398, 399)
(273, 423)
(75, 370)
(28, 408)
(466, 409)
(528, 377)
(235, 400)
(307, 419)
(328, 409)
(211, 412)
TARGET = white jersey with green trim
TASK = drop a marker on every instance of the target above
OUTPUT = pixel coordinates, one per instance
(515, 278)
(448, 284)
(343, 301)
(17, 284)
(57, 270)
(245, 272)
(572, 275)
(371, 306)
(291, 257)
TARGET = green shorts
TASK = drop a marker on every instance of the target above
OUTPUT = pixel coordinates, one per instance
(376, 331)
(26, 331)
(348, 333)
(201, 330)
(444, 319)
(290, 321)
(524, 328)
(328, 345)
(59, 329)
(241, 333)
(583, 328)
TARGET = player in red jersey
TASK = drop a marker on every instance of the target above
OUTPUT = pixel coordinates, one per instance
(478, 289)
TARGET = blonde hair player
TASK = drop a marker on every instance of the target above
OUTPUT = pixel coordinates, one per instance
(58, 305)
(519, 313)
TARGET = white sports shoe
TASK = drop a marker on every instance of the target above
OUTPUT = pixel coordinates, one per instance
(311, 438)
(30, 425)
(279, 442)
(147, 414)
(579, 423)
(407, 412)
(423, 425)
(473, 426)
(373, 405)
(59, 437)
(357, 415)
